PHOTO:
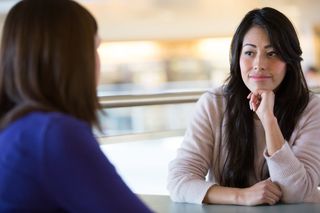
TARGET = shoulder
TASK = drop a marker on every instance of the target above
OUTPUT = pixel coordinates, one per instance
(63, 125)
(314, 102)
(211, 105)
(313, 107)
(43, 126)
(36, 123)
(64, 135)
(65, 121)
(45, 118)
(213, 98)
(311, 114)
(40, 133)
(56, 121)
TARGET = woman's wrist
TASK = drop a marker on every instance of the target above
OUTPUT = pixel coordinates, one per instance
(239, 196)
(269, 121)
(224, 195)
(273, 134)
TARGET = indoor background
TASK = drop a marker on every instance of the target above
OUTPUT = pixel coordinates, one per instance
(158, 57)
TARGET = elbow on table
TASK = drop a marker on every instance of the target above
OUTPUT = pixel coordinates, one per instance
(292, 198)
(176, 198)
(295, 196)
(174, 189)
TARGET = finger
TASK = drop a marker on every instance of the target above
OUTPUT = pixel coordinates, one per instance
(255, 98)
(271, 196)
(257, 102)
(257, 92)
(250, 102)
(273, 186)
(270, 201)
(272, 191)
(254, 103)
(251, 105)
(266, 200)
(260, 92)
(254, 107)
(275, 189)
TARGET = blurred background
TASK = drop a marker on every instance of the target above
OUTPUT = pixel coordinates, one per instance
(157, 58)
(165, 45)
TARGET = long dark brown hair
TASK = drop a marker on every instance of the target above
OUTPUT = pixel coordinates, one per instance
(291, 97)
(47, 61)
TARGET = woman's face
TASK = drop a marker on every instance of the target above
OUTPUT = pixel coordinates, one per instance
(97, 57)
(261, 66)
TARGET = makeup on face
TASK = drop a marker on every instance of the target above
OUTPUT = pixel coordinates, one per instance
(261, 67)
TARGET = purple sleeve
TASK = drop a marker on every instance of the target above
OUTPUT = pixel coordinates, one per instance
(78, 175)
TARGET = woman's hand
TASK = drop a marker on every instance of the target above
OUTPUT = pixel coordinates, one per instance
(264, 192)
(262, 102)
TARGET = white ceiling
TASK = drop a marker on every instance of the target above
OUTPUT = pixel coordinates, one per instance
(187, 19)
(141, 19)
(162, 19)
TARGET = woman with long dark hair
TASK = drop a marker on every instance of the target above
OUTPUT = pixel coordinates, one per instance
(49, 159)
(255, 140)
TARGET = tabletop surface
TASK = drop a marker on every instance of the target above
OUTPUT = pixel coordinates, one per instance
(163, 204)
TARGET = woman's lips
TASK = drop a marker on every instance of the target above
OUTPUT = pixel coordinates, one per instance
(260, 77)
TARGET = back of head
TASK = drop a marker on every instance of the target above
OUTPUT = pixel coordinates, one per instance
(48, 60)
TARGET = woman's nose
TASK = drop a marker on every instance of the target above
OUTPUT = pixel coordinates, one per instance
(259, 63)
(258, 68)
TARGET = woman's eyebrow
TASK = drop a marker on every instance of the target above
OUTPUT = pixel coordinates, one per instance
(268, 46)
(251, 45)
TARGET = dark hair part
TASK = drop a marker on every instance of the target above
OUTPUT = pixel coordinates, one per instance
(47, 61)
(292, 91)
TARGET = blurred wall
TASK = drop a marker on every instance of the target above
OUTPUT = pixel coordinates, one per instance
(186, 19)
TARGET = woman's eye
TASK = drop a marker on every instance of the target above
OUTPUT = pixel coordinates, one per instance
(249, 53)
(272, 54)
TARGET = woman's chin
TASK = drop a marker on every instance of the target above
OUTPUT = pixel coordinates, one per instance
(255, 88)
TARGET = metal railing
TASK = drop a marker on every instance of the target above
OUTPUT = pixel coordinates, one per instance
(108, 102)
(149, 99)
(156, 99)
(140, 136)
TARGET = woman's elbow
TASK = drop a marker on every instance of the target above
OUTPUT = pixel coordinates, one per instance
(290, 198)
(293, 195)
(174, 193)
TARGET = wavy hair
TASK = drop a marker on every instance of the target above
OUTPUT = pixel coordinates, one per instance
(292, 91)
(47, 61)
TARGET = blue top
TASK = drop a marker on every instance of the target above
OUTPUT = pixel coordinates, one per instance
(51, 162)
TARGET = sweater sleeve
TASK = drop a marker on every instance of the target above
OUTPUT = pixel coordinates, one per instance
(296, 169)
(187, 172)
(77, 174)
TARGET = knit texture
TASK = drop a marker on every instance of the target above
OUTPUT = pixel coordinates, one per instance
(295, 167)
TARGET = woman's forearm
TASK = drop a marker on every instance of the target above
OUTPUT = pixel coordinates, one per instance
(274, 137)
(262, 102)
(263, 192)
(222, 195)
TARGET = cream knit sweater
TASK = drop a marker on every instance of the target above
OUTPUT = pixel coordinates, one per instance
(295, 167)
